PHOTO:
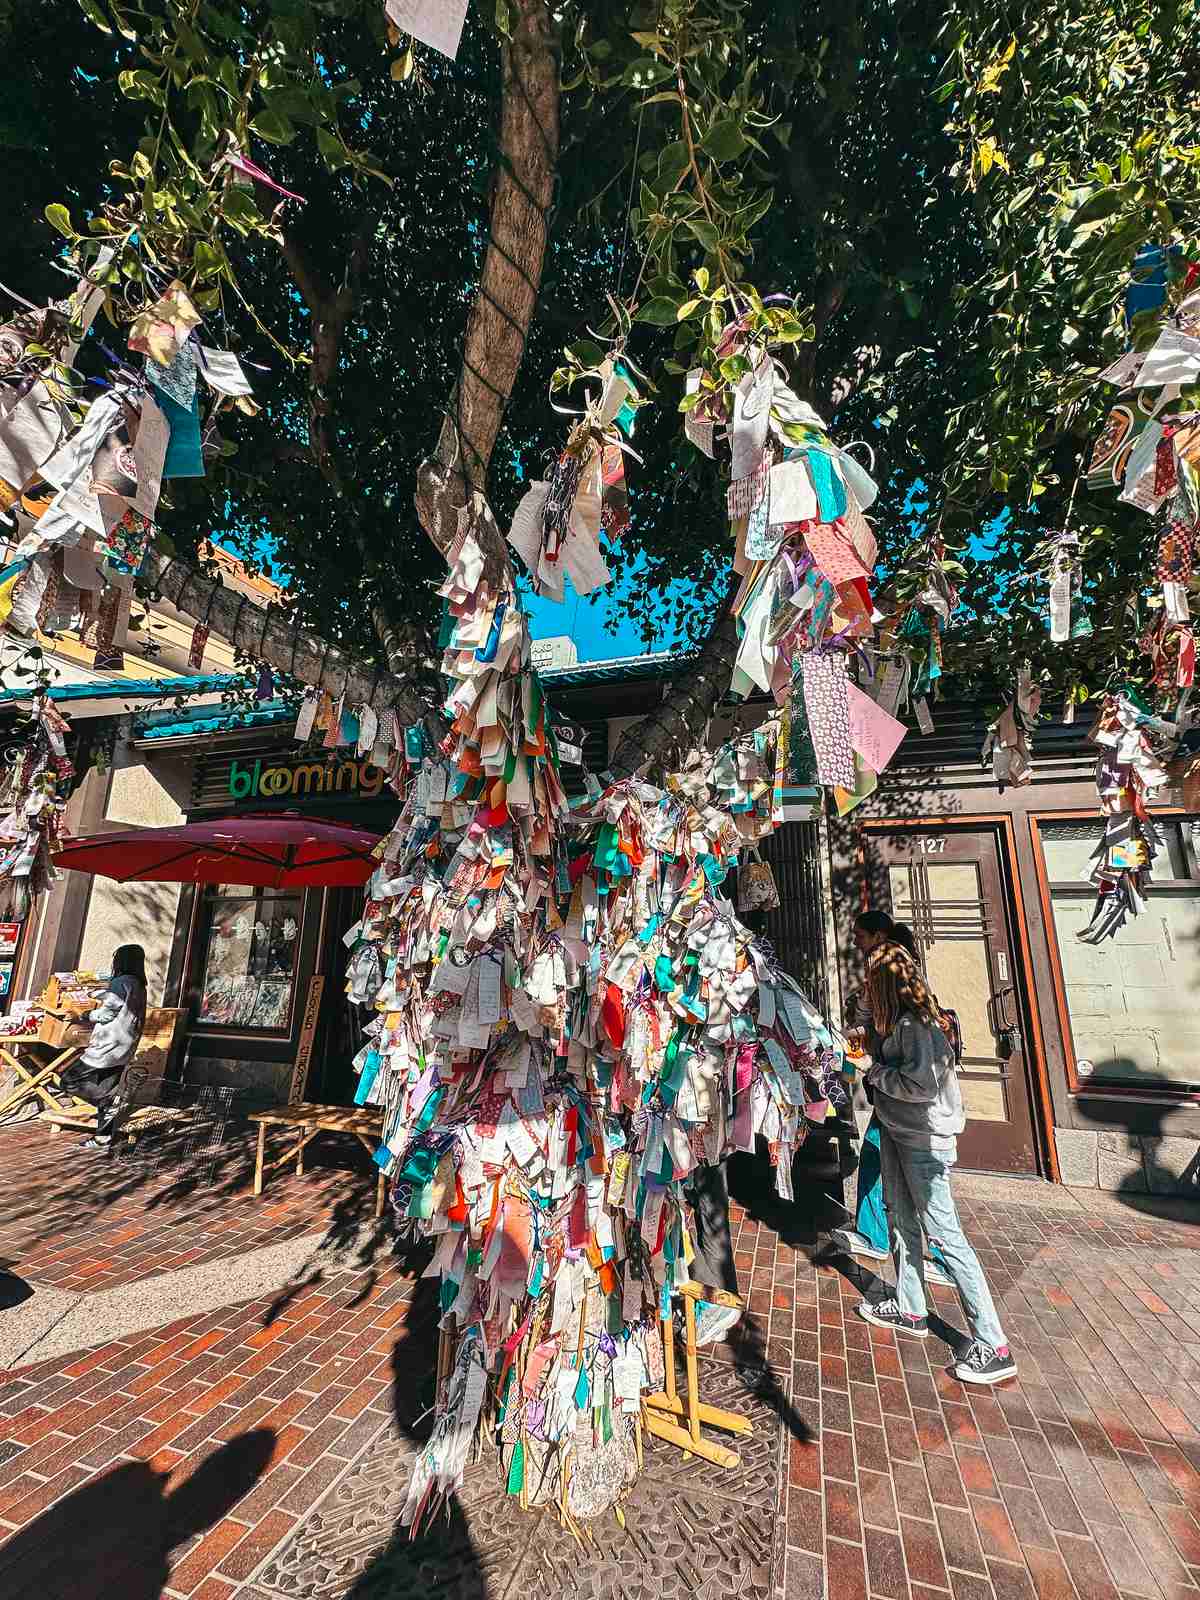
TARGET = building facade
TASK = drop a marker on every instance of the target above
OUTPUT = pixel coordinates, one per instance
(1082, 1063)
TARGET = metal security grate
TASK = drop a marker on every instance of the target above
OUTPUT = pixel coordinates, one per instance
(797, 929)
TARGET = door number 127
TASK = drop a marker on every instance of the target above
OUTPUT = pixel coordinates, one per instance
(931, 845)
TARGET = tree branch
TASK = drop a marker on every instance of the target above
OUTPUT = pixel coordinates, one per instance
(263, 635)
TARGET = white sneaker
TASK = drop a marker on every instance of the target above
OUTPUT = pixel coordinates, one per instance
(859, 1245)
(713, 1322)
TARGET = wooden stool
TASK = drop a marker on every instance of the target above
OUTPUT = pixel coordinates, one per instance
(691, 1408)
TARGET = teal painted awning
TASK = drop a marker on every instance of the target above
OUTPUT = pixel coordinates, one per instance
(129, 688)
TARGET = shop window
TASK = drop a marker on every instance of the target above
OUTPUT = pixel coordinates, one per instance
(249, 958)
(1131, 1000)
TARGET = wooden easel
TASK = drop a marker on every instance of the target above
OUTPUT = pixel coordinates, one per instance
(690, 1407)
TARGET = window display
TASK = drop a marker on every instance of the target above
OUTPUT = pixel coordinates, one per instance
(249, 970)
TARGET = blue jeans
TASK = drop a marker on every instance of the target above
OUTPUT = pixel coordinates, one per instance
(916, 1188)
(870, 1216)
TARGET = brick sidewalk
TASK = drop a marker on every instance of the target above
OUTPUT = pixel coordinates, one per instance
(231, 1455)
(76, 1220)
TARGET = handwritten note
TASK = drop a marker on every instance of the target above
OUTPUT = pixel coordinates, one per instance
(223, 371)
(1174, 358)
(874, 734)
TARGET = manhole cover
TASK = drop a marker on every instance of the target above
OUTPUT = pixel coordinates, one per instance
(692, 1531)
(677, 1544)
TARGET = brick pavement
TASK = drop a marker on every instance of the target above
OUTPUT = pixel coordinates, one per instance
(190, 1460)
(77, 1221)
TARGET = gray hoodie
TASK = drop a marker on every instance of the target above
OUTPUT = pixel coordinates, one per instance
(915, 1082)
(119, 1020)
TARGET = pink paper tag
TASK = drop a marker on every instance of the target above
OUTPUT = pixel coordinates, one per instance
(874, 734)
(833, 552)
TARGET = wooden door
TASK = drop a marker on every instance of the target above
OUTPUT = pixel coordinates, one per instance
(947, 885)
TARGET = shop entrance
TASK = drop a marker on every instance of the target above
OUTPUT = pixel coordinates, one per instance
(949, 886)
(341, 1036)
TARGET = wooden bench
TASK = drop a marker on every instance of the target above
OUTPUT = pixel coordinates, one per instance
(307, 1120)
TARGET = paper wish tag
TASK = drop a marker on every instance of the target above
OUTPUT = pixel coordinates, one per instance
(827, 707)
(791, 493)
(860, 533)
(874, 734)
(865, 784)
(1175, 358)
(751, 414)
(857, 479)
(437, 23)
(222, 371)
(585, 566)
(698, 429)
(833, 553)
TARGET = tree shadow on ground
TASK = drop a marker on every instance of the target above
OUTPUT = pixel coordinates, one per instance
(115, 1535)
(58, 1191)
(442, 1558)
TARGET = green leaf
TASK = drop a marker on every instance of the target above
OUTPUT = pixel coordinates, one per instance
(273, 126)
(1098, 206)
(93, 12)
(332, 148)
(207, 260)
(700, 277)
(912, 303)
(141, 85)
(724, 141)
(585, 352)
(402, 67)
(688, 309)
(660, 311)
(672, 164)
(644, 73)
(59, 217)
(708, 235)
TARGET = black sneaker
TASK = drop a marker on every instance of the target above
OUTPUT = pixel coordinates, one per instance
(982, 1364)
(98, 1141)
(887, 1314)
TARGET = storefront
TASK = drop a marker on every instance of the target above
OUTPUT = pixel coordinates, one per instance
(261, 971)
(1082, 1062)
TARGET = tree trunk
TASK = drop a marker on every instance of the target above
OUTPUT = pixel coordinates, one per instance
(263, 635)
(508, 288)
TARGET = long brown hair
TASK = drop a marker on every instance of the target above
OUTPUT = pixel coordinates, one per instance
(894, 986)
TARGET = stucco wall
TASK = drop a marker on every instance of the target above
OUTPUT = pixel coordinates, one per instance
(146, 795)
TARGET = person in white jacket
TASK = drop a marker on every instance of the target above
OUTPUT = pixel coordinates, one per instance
(117, 1025)
(914, 1085)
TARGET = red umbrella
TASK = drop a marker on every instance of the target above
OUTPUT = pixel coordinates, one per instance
(281, 851)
